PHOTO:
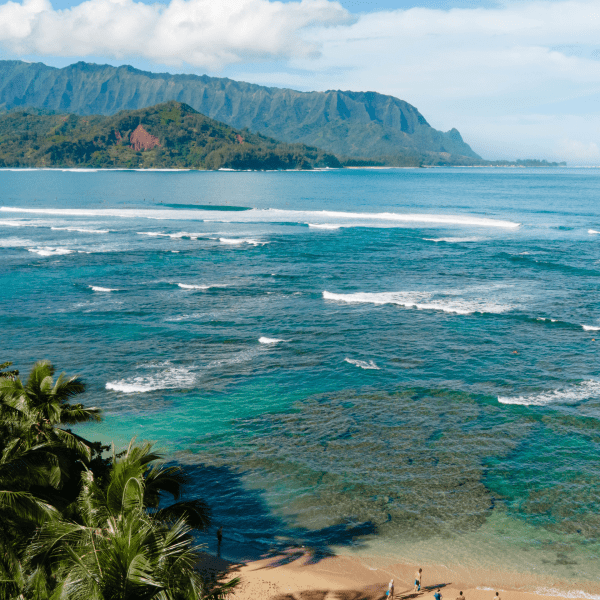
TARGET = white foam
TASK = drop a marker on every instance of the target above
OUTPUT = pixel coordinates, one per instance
(168, 379)
(275, 215)
(239, 241)
(593, 231)
(81, 229)
(266, 340)
(590, 328)
(362, 364)
(12, 224)
(323, 226)
(48, 251)
(97, 288)
(189, 286)
(546, 319)
(177, 235)
(569, 395)
(417, 300)
(455, 240)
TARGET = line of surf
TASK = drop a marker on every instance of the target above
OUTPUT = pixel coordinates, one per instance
(275, 215)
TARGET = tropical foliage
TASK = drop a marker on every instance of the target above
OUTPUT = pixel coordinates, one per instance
(79, 522)
(187, 139)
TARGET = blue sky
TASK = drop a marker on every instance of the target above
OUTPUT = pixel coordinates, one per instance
(517, 78)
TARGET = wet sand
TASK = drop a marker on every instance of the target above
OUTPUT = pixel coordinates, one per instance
(295, 576)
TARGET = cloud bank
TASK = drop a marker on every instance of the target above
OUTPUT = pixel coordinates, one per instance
(202, 33)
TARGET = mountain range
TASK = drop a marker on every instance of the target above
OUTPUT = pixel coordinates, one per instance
(349, 124)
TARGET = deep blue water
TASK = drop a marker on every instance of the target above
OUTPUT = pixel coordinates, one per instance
(428, 377)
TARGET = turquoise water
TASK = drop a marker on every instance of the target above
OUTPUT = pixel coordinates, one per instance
(395, 362)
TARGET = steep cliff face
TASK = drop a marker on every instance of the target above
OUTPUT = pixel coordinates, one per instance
(364, 124)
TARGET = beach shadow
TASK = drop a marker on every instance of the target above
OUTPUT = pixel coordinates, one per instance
(251, 531)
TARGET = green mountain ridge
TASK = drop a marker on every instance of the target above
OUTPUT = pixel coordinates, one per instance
(346, 123)
(168, 135)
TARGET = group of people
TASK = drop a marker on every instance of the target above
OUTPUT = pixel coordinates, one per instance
(438, 594)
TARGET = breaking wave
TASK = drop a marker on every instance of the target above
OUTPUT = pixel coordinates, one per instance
(275, 215)
(189, 286)
(266, 340)
(577, 393)
(48, 251)
(422, 301)
(169, 379)
(323, 226)
(97, 288)
(80, 229)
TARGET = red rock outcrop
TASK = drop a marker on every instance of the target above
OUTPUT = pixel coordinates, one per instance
(141, 140)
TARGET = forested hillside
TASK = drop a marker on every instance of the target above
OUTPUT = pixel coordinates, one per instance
(169, 135)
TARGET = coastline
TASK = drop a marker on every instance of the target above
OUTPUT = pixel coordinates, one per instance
(297, 576)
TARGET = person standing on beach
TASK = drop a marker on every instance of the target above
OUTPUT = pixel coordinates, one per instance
(390, 591)
(219, 540)
(418, 581)
(438, 595)
(497, 596)
(460, 596)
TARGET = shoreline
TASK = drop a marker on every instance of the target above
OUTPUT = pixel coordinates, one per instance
(296, 575)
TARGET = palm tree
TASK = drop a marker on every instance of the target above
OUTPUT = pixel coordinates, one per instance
(43, 404)
(120, 550)
(23, 472)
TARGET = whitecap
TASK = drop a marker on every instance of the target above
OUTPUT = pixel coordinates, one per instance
(97, 288)
(362, 363)
(238, 241)
(590, 328)
(80, 229)
(323, 226)
(12, 224)
(421, 301)
(177, 235)
(48, 251)
(168, 379)
(455, 240)
(189, 286)
(266, 340)
(593, 231)
(568, 395)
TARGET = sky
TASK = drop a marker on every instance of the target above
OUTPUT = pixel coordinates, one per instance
(518, 79)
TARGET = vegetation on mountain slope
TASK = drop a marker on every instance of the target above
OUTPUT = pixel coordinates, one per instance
(169, 135)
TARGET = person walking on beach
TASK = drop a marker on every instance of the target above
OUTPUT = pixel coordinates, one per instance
(418, 581)
(497, 596)
(438, 595)
(389, 595)
(460, 596)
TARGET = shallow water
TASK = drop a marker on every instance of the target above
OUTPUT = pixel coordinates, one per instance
(397, 362)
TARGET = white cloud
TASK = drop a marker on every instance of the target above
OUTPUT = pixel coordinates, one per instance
(203, 33)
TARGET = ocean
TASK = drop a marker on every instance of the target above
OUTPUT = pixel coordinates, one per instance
(399, 363)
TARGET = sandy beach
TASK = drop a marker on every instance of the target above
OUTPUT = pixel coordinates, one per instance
(295, 576)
